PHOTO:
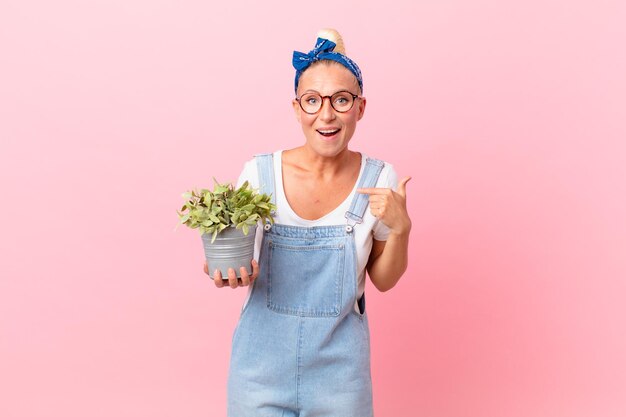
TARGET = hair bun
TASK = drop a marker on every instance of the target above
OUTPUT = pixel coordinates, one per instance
(333, 35)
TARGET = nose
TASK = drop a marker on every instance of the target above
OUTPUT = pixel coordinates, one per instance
(326, 111)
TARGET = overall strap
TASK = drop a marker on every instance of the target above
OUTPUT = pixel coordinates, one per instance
(355, 213)
(265, 169)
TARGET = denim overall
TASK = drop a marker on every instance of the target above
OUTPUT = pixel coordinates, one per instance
(300, 348)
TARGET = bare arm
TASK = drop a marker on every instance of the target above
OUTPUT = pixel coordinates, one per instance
(389, 259)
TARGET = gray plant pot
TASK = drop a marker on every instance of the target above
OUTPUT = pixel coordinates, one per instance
(231, 249)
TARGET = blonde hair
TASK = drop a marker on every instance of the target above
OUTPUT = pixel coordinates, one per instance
(333, 35)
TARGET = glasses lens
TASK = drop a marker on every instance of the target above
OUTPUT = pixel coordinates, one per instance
(342, 101)
(311, 102)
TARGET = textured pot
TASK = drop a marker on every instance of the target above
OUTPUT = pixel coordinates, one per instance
(231, 249)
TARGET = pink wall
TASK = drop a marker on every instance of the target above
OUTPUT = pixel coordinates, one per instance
(510, 116)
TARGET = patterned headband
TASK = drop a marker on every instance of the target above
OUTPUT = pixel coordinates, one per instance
(323, 50)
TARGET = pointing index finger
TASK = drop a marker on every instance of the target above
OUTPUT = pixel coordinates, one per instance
(372, 190)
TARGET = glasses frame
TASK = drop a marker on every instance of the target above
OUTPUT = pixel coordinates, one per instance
(354, 97)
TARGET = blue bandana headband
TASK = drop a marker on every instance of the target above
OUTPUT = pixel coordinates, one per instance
(323, 50)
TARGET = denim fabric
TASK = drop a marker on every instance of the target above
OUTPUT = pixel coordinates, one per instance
(300, 349)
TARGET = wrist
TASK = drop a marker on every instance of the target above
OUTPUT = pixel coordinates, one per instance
(402, 231)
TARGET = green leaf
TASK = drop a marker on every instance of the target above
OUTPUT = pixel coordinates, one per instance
(248, 208)
(220, 189)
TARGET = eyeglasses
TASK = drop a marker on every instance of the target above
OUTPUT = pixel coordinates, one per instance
(341, 101)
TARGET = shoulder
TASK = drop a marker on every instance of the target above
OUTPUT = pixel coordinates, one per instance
(248, 173)
(388, 177)
(250, 170)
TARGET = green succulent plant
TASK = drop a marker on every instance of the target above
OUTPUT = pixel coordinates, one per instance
(213, 211)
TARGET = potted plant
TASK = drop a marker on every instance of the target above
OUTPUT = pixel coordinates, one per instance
(227, 219)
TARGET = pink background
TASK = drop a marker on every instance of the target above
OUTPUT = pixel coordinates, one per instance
(510, 116)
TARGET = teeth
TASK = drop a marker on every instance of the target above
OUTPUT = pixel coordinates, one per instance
(328, 131)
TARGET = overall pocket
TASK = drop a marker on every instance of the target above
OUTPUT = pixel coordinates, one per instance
(305, 280)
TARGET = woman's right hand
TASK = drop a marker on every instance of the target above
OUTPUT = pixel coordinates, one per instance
(233, 281)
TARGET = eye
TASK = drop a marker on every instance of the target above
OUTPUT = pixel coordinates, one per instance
(342, 100)
(310, 99)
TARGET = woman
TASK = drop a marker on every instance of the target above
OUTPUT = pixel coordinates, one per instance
(301, 347)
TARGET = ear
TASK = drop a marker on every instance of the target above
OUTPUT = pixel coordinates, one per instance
(362, 103)
(296, 110)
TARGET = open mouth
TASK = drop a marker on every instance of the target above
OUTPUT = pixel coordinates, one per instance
(328, 132)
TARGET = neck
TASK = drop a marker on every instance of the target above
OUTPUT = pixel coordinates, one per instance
(325, 166)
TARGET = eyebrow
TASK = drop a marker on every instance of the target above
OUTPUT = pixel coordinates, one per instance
(317, 92)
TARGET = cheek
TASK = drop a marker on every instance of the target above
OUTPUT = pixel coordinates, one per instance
(306, 120)
(351, 120)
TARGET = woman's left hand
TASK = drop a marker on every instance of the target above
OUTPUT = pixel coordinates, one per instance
(390, 206)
